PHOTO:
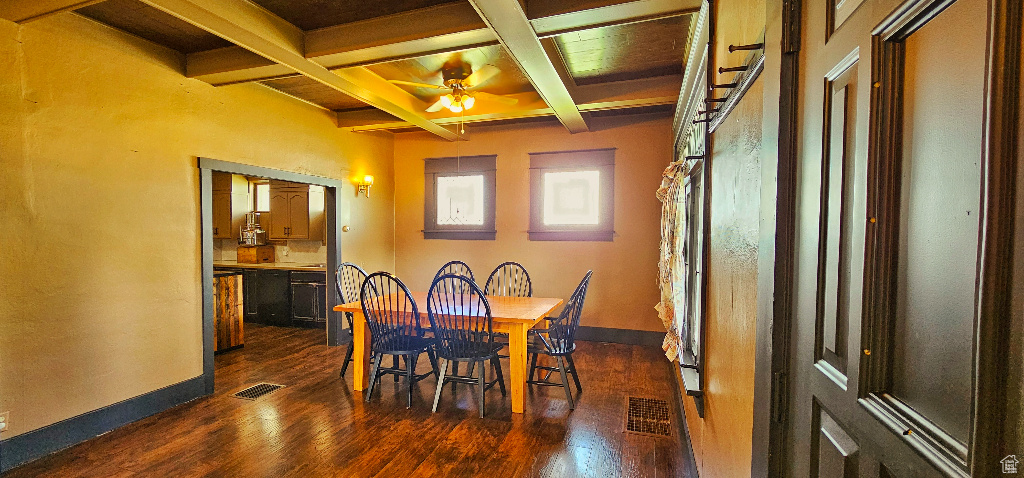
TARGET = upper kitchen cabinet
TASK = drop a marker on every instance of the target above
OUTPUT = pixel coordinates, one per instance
(230, 203)
(296, 211)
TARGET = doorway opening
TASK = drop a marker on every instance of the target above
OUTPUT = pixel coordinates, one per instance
(270, 248)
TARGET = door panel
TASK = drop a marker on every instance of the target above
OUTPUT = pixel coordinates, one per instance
(298, 210)
(938, 232)
(279, 217)
(866, 394)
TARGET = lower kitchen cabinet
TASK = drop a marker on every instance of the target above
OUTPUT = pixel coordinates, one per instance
(284, 298)
(309, 299)
(268, 294)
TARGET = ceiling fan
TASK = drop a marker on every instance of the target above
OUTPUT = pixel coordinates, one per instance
(460, 79)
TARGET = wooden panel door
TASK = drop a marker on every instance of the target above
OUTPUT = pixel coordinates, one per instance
(221, 203)
(298, 213)
(890, 218)
(279, 214)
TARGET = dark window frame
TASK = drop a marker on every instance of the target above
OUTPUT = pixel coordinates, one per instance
(602, 160)
(434, 168)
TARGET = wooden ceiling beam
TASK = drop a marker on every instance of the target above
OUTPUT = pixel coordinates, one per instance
(613, 96)
(559, 16)
(440, 29)
(271, 37)
(23, 11)
(509, 23)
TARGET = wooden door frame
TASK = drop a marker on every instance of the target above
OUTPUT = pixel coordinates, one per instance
(332, 204)
(776, 245)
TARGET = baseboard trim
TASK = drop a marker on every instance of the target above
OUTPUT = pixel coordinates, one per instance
(620, 336)
(690, 461)
(37, 443)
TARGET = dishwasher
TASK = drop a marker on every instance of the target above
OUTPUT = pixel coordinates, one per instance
(309, 299)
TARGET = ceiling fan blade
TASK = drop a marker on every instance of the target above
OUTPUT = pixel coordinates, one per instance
(480, 76)
(434, 108)
(418, 85)
(496, 98)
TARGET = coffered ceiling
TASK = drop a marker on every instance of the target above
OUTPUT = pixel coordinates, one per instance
(570, 59)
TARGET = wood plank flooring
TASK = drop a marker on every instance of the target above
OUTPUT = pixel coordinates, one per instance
(317, 426)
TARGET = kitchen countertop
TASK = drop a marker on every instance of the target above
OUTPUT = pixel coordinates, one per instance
(290, 266)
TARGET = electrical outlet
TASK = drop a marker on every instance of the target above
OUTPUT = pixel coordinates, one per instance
(5, 421)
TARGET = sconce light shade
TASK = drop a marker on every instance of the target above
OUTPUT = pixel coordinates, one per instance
(364, 185)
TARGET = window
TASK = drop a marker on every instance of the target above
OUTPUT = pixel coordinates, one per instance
(262, 196)
(572, 195)
(459, 198)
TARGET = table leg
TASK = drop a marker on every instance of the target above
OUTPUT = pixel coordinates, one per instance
(360, 349)
(517, 366)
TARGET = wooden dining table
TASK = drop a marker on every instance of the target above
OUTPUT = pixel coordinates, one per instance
(514, 316)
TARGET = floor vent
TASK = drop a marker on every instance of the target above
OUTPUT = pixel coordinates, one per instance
(257, 391)
(648, 416)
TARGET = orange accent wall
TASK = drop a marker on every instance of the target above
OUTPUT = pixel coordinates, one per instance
(624, 289)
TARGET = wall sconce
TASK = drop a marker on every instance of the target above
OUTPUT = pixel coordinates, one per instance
(364, 185)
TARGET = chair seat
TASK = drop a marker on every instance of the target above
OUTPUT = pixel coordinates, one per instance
(470, 351)
(397, 344)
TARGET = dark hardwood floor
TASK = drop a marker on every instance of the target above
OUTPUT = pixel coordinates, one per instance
(317, 426)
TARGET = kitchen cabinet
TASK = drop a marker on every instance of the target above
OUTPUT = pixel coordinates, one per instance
(268, 297)
(230, 202)
(296, 211)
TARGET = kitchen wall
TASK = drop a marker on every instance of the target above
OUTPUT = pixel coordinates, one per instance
(99, 199)
(623, 291)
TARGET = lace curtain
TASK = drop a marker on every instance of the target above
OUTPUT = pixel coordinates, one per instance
(671, 270)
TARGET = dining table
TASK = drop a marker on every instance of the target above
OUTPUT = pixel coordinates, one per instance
(514, 316)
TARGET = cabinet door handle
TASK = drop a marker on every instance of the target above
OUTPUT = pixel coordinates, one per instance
(215, 231)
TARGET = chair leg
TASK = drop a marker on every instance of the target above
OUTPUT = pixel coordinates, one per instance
(533, 366)
(496, 365)
(440, 385)
(455, 371)
(410, 364)
(374, 370)
(572, 370)
(348, 359)
(433, 362)
(394, 364)
(480, 384)
(565, 383)
(472, 366)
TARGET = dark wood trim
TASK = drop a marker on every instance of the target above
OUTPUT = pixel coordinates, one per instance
(995, 432)
(461, 235)
(605, 236)
(603, 160)
(267, 173)
(689, 461)
(620, 336)
(434, 168)
(332, 204)
(65, 433)
(777, 245)
(206, 250)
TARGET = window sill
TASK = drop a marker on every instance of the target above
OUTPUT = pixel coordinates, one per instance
(604, 236)
(461, 235)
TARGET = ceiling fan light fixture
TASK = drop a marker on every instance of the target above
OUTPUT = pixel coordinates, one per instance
(447, 101)
(468, 101)
(455, 108)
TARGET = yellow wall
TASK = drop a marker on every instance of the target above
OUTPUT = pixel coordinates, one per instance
(99, 207)
(624, 289)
